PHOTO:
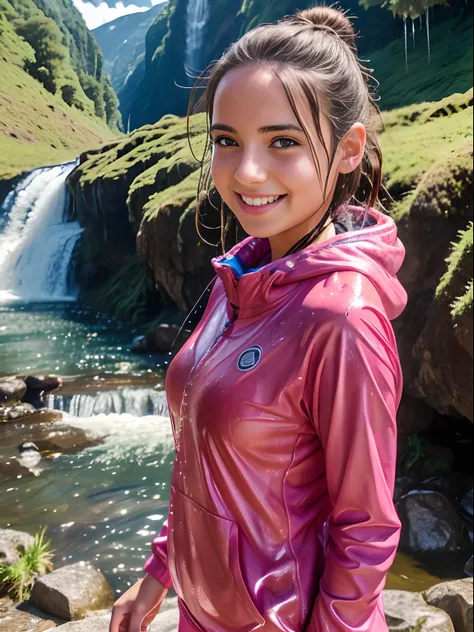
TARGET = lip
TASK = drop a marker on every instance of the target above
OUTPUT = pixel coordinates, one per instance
(257, 210)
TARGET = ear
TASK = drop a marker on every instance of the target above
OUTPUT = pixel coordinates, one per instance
(352, 148)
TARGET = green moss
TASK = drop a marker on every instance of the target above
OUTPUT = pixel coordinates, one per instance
(459, 265)
(410, 148)
(463, 304)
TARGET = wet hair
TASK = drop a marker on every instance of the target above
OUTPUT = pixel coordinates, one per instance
(313, 54)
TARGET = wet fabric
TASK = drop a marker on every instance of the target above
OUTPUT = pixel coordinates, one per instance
(283, 406)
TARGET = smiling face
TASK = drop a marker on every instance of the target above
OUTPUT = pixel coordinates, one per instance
(260, 152)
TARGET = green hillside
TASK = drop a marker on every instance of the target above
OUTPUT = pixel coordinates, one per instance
(55, 100)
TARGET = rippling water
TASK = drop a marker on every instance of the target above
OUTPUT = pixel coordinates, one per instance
(103, 504)
(61, 338)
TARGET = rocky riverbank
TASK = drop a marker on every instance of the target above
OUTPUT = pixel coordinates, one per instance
(77, 598)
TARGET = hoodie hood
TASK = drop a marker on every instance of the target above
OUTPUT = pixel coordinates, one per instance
(372, 249)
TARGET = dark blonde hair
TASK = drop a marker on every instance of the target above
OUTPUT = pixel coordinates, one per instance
(314, 53)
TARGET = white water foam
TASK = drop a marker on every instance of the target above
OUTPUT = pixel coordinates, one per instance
(126, 436)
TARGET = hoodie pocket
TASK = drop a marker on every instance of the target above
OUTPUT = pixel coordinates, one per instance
(203, 558)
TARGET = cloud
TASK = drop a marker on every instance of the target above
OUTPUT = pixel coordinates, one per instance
(95, 16)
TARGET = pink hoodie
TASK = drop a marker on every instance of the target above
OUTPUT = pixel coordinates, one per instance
(283, 404)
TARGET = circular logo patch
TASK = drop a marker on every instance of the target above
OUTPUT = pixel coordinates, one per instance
(249, 358)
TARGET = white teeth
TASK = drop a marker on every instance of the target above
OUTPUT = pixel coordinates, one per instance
(259, 201)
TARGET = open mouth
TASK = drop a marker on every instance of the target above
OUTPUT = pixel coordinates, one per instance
(258, 205)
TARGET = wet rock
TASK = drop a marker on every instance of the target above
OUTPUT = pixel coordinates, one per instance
(165, 621)
(11, 389)
(407, 612)
(43, 416)
(455, 598)
(466, 505)
(44, 383)
(429, 523)
(11, 542)
(27, 414)
(403, 485)
(140, 344)
(12, 413)
(67, 440)
(71, 591)
(164, 335)
(468, 568)
(37, 386)
(14, 620)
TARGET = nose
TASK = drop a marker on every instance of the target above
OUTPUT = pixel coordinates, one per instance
(250, 169)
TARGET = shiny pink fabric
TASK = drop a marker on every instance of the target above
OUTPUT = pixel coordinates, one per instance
(281, 513)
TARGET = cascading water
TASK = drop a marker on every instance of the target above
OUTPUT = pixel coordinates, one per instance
(36, 242)
(197, 15)
(138, 402)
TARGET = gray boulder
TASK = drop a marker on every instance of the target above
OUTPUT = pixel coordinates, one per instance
(165, 621)
(429, 523)
(71, 591)
(455, 598)
(408, 612)
(12, 389)
(11, 542)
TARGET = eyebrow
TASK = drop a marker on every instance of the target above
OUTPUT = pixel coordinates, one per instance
(262, 130)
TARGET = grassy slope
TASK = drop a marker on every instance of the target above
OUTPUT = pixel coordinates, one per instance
(36, 127)
(418, 136)
(450, 70)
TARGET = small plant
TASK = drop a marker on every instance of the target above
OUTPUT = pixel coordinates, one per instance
(21, 575)
(415, 451)
(419, 624)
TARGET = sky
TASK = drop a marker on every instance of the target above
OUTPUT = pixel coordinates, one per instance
(95, 16)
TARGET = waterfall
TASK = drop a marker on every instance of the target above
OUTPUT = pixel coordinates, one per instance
(138, 402)
(37, 242)
(197, 14)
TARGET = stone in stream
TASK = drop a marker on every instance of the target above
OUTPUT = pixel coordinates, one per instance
(164, 335)
(429, 523)
(11, 542)
(165, 621)
(71, 591)
(408, 612)
(25, 413)
(11, 389)
(38, 386)
(45, 383)
(12, 619)
(455, 598)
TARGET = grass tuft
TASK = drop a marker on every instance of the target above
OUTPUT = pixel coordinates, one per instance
(20, 576)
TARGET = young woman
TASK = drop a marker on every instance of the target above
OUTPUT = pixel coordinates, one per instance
(283, 401)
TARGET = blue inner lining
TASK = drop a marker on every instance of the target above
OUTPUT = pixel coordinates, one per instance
(235, 262)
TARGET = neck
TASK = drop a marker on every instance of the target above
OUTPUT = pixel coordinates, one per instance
(280, 244)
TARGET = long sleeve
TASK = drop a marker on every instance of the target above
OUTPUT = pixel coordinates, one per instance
(157, 564)
(356, 393)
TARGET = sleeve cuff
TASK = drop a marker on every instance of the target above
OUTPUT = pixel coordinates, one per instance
(157, 569)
